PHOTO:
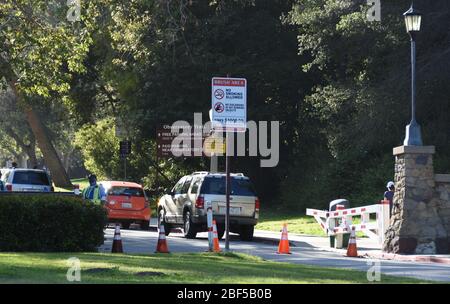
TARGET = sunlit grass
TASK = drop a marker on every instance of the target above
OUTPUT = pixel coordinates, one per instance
(171, 268)
(82, 182)
(297, 223)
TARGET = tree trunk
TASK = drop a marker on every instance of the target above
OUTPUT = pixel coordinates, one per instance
(29, 149)
(66, 159)
(59, 175)
(31, 152)
(22, 160)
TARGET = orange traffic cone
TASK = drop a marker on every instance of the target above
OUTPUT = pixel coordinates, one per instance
(283, 247)
(351, 249)
(216, 247)
(162, 243)
(117, 242)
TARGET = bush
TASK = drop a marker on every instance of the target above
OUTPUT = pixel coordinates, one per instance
(46, 222)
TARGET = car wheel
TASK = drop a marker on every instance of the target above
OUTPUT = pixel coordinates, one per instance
(161, 219)
(190, 231)
(145, 225)
(246, 233)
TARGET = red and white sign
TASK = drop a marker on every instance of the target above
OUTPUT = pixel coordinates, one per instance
(229, 104)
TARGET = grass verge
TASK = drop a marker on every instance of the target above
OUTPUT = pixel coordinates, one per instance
(273, 221)
(172, 268)
(82, 182)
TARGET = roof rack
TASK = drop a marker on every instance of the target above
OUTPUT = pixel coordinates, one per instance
(200, 172)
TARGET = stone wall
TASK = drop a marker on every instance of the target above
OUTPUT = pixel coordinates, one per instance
(442, 199)
(421, 214)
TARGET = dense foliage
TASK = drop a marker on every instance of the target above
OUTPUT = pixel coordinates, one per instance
(338, 83)
(50, 223)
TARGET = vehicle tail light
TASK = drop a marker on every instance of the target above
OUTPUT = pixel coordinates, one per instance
(257, 204)
(8, 187)
(200, 202)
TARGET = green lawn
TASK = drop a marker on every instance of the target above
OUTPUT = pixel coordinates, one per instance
(83, 182)
(171, 268)
(297, 223)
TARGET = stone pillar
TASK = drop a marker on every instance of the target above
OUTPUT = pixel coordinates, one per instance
(415, 225)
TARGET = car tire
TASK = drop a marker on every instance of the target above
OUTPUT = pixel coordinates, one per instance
(246, 232)
(161, 218)
(189, 228)
(145, 225)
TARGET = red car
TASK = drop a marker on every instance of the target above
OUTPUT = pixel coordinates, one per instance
(127, 203)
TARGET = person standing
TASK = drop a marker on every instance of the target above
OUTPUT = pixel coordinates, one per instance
(389, 195)
(95, 192)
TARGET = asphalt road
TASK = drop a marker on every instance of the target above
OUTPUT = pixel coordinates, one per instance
(305, 250)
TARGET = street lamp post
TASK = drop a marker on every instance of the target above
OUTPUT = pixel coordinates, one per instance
(413, 20)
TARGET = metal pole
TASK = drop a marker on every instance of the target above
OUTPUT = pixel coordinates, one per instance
(214, 159)
(213, 168)
(227, 191)
(413, 79)
(413, 134)
(125, 167)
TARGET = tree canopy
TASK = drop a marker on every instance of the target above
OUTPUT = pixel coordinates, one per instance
(338, 83)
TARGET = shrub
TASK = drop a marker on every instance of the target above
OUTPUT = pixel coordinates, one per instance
(47, 222)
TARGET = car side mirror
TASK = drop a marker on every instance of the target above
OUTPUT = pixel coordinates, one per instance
(170, 192)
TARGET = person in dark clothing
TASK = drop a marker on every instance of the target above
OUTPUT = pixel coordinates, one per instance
(389, 195)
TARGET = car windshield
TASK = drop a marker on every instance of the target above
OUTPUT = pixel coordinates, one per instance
(31, 178)
(216, 185)
(126, 191)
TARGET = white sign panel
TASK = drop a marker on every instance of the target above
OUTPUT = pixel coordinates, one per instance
(229, 104)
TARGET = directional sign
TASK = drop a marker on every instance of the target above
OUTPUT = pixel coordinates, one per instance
(229, 104)
(125, 148)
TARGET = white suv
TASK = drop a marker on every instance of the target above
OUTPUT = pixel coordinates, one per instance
(185, 205)
(26, 180)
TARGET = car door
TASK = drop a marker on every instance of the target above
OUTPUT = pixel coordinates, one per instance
(182, 198)
(171, 201)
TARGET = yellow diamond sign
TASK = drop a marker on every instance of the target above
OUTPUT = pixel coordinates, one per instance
(214, 145)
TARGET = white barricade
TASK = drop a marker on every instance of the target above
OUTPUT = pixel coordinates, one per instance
(340, 221)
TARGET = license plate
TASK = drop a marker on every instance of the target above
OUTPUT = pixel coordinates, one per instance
(127, 205)
(233, 210)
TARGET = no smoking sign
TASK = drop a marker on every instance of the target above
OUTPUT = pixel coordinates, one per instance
(229, 104)
(219, 94)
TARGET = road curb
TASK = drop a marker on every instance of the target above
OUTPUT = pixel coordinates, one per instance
(406, 258)
(380, 255)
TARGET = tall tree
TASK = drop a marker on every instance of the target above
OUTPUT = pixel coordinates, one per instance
(361, 98)
(13, 128)
(39, 52)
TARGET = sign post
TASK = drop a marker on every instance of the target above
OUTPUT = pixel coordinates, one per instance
(125, 150)
(229, 114)
(214, 159)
